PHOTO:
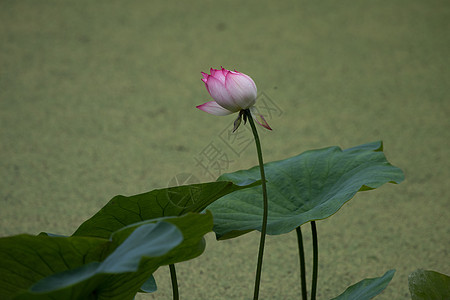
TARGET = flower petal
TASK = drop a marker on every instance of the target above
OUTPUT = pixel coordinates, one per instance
(205, 77)
(212, 71)
(241, 88)
(219, 93)
(246, 76)
(213, 108)
(218, 74)
(259, 118)
(224, 72)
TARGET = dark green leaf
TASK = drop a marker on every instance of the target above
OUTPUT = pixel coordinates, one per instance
(428, 285)
(149, 286)
(367, 288)
(87, 267)
(310, 186)
(25, 259)
(52, 234)
(174, 201)
(148, 240)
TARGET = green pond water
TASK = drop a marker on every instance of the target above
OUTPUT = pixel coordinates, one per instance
(97, 98)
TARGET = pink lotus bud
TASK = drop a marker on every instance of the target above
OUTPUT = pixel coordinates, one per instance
(232, 92)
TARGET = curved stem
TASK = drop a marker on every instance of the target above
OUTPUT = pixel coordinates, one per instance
(315, 260)
(301, 253)
(265, 204)
(173, 277)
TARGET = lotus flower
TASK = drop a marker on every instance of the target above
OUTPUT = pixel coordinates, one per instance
(232, 92)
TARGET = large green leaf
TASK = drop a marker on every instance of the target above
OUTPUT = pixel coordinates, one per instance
(147, 240)
(367, 288)
(310, 186)
(121, 211)
(428, 285)
(97, 268)
(26, 259)
(193, 227)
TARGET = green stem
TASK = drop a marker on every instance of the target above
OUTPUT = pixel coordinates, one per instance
(315, 260)
(301, 253)
(173, 277)
(265, 204)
